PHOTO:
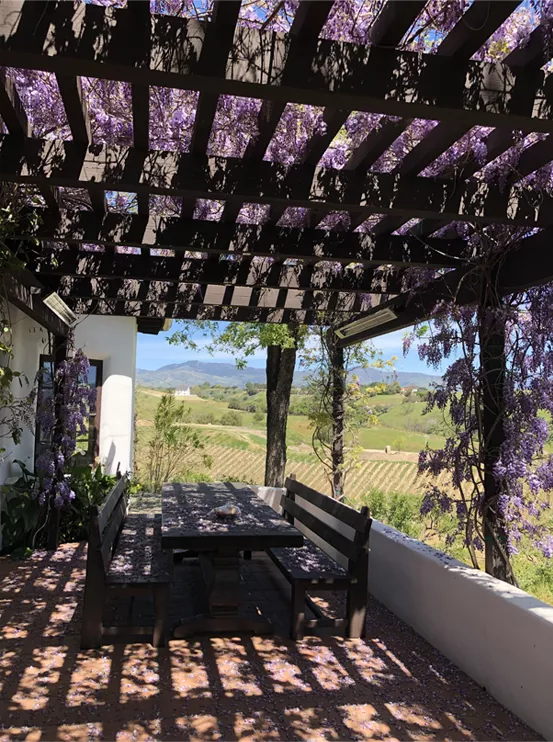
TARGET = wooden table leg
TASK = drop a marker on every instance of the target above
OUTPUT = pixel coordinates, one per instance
(225, 597)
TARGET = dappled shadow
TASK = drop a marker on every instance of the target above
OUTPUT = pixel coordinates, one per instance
(392, 685)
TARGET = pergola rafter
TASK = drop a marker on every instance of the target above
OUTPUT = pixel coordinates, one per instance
(246, 272)
(158, 292)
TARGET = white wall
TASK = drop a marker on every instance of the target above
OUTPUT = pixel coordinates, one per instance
(499, 635)
(29, 341)
(113, 341)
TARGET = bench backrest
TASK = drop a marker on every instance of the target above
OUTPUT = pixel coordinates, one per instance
(352, 549)
(105, 525)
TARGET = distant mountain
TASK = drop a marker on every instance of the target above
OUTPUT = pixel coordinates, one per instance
(190, 373)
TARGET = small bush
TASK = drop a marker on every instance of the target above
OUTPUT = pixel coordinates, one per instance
(206, 418)
(231, 418)
(398, 510)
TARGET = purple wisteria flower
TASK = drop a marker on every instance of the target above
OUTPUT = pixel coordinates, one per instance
(62, 416)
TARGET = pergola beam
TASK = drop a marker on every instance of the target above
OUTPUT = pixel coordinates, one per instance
(42, 35)
(157, 292)
(214, 56)
(27, 298)
(246, 272)
(309, 19)
(44, 162)
(239, 239)
(214, 313)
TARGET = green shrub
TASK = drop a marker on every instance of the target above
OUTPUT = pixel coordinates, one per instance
(398, 510)
(20, 511)
(91, 487)
(231, 418)
(206, 418)
(23, 519)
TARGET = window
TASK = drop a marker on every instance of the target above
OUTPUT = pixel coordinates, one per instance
(88, 444)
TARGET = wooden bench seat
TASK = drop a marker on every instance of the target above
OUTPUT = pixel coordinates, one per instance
(124, 555)
(312, 567)
(309, 564)
(139, 557)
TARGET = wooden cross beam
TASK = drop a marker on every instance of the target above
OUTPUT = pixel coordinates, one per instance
(465, 38)
(239, 239)
(214, 313)
(45, 162)
(157, 292)
(531, 264)
(246, 272)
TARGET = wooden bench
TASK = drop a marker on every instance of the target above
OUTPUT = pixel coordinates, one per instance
(124, 555)
(311, 567)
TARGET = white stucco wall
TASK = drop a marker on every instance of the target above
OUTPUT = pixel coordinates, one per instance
(113, 341)
(29, 341)
(499, 635)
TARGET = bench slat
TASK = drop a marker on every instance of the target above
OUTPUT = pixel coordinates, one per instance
(111, 501)
(323, 530)
(338, 510)
(139, 557)
(309, 564)
(110, 535)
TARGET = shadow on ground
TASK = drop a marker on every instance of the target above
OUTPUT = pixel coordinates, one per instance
(393, 685)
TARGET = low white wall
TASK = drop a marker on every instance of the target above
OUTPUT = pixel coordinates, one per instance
(499, 635)
(113, 341)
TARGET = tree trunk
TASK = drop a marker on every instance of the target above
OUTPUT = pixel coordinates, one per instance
(59, 352)
(492, 360)
(281, 363)
(338, 413)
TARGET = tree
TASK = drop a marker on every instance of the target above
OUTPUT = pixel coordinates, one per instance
(172, 442)
(243, 340)
(339, 406)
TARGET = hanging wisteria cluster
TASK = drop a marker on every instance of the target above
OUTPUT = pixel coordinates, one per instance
(62, 417)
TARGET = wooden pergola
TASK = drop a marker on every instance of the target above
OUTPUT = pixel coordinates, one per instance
(225, 270)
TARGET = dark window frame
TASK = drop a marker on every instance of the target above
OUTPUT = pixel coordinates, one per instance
(93, 449)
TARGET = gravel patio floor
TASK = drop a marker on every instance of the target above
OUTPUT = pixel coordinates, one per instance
(393, 685)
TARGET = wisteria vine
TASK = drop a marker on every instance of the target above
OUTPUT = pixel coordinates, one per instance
(62, 416)
(522, 470)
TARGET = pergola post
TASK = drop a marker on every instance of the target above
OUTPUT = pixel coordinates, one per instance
(492, 368)
(59, 353)
(338, 378)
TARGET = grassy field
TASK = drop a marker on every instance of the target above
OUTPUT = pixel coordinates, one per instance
(393, 428)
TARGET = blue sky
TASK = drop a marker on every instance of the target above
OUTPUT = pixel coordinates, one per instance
(154, 351)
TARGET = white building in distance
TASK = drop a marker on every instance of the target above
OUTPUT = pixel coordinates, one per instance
(182, 392)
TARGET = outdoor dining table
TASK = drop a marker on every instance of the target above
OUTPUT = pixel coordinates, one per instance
(188, 522)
